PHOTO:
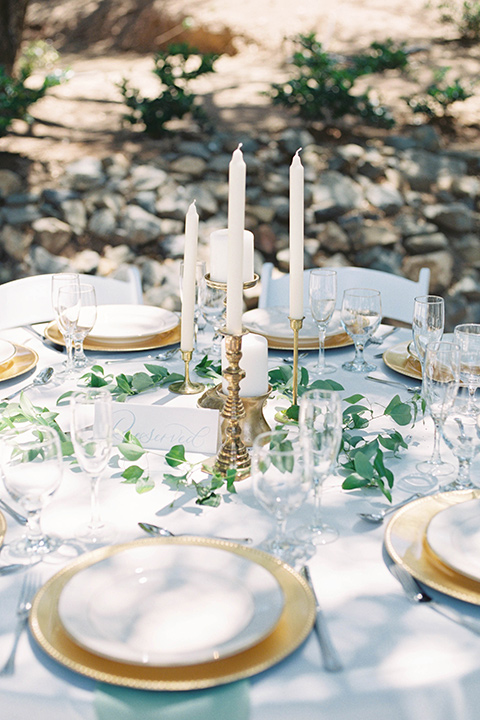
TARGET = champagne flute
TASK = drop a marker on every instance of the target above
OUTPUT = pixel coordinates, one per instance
(32, 468)
(361, 315)
(467, 336)
(320, 422)
(441, 378)
(280, 485)
(66, 305)
(200, 271)
(427, 322)
(92, 431)
(86, 320)
(322, 294)
(461, 432)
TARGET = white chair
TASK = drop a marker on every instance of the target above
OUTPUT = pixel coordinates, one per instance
(28, 300)
(398, 292)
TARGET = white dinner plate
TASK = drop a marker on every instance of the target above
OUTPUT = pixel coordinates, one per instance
(454, 536)
(273, 322)
(116, 323)
(7, 351)
(170, 605)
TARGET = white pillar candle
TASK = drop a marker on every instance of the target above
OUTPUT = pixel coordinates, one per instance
(296, 237)
(189, 272)
(219, 255)
(236, 221)
(254, 361)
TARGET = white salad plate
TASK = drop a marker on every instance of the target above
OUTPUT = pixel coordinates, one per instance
(170, 605)
(273, 322)
(7, 351)
(454, 536)
(116, 323)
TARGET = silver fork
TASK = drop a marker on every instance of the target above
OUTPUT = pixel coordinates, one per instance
(30, 586)
(160, 356)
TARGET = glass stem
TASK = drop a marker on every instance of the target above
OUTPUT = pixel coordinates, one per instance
(279, 531)
(358, 359)
(95, 520)
(34, 531)
(472, 389)
(436, 459)
(463, 477)
(321, 348)
(69, 347)
(317, 506)
(79, 353)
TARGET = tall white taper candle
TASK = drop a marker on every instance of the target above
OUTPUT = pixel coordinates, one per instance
(236, 221)
(189, 267)
(296, 237)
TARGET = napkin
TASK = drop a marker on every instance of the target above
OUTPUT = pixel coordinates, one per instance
(118, 703)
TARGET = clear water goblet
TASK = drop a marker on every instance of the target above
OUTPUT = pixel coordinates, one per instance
(441, 378)
(91, 427)
(86, 320)
(200, 271)
(461, 432)
(212, 305)
(320, 423)
(322, 291)
(32, 467)
(361, 315)
(467, 336)
(427, 322)
(280, 485)
(66, 305)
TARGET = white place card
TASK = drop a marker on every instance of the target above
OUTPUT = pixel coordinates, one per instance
(159, 428)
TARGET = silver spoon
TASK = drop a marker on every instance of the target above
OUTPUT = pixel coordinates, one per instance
(378, 516)
(43, 377)
(156, 530)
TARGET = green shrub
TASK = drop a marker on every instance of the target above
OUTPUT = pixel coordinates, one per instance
(435, 102)
(175, 68)
(323, 88)
(465, 16)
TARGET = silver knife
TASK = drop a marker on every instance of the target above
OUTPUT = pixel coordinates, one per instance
(416, 594)
(394, 383)
(16, 516)
(331, 661)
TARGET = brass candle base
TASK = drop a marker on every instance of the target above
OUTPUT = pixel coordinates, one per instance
(254, 421)
(186, 387)
(296, 325)
(233, 454)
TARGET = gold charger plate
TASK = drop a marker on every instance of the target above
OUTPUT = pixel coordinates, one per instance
(24, 360)
(3, 527)
(170, 337)
(405, 541)
(399, 359)
(338, 340)
(293, 627)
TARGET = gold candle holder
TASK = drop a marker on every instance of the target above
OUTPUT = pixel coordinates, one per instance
(254, 421)
(186, 387)
(233, 453)
(296, 325)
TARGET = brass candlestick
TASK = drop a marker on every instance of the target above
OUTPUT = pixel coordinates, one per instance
(296, 325)
(254, 421)
(186, 387)
(233, 453)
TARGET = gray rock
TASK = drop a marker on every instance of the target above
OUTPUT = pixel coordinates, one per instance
(42, 261)
(375, 235)
(293, 139)
(52, 234)
(380, 259)
(139, 226)
(85, 173)
(455, 217)
(86, 261)
(441, 269)
(15, 242)
(385, 197)
(189, 165)
(467, 248)
(427, 137)
(335, 195)
(102, 223)
(426, 243)
(75, 214)
(20, 215)
(10, 182)
(422, 168)
(147, 177)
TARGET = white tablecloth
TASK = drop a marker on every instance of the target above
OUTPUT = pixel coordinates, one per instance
(402, 661)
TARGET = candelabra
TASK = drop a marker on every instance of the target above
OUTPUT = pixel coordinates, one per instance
(186, 387)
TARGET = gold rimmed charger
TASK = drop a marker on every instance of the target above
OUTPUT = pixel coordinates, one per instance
(3, 527)
(170, 337)
(406, 543)
(25, 359)
(398, 358)
(338, 340)
(294, 625)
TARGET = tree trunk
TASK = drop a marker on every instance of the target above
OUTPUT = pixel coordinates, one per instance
(12, 18)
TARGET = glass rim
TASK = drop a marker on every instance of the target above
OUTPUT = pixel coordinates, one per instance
(433, 299)
(359, 291)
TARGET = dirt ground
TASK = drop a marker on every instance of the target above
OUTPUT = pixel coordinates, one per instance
(83, 115)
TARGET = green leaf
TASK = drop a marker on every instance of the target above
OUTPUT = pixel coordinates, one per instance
(132, 473)
(144, 484)
(363, 465)
(63, 397)
(401, 413)
(292, 412)
(131, 450)
(352, 482)
(175, 456)
(141, 381)
(354, 399)
(326, 385)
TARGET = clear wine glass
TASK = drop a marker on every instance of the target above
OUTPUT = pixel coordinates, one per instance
(66, 305)
(200, 271)
(361, 315)
(441, 378)
(467, 336)
(92, 431)
(461, 432)
(212, 305)
(32, 468)
(322, 295)
(320, 422)
(86, 320)
(280, 485)
(427, 322)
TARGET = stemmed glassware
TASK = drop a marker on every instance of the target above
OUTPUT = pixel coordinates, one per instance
(320, 422)
(66, 305)
(461, 432)
(427, 322)
(200, 271)
(441, 378)
(31, 463)
(281, 485)
(212, 305)
(361, 315)
(86, 320)
(92, 431)
(467, 336)
(322, 296)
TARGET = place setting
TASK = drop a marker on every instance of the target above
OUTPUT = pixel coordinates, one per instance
(15, 360)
